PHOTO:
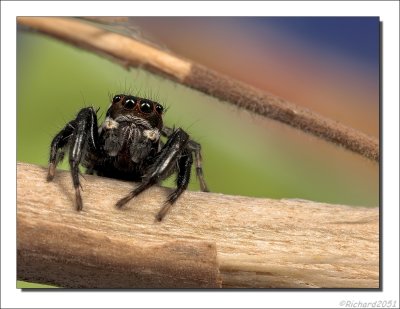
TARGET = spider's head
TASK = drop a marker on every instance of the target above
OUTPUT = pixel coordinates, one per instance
(127, 105)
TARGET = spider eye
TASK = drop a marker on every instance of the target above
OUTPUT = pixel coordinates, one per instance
(116, 99)
(159, 109)
(146, 107)
(130, 103)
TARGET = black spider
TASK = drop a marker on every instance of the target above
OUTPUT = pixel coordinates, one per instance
(127, 146)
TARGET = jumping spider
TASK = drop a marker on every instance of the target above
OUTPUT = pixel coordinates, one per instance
(127, 146)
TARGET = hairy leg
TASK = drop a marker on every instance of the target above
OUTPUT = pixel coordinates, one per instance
(56, 148)
(163, 164)
(81, 135)
(84, 138)
(196, 148)
(185, 162)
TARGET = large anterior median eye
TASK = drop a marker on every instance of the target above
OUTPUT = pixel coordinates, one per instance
(130, 103)
(146, 107)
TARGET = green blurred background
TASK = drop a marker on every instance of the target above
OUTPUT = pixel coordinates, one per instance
(243, 154)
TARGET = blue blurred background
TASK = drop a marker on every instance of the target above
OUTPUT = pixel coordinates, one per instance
(330, 65)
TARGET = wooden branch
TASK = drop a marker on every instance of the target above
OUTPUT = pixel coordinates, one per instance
(131, 52)
(206, 239)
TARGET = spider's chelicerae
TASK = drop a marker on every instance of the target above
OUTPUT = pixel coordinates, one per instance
(127, 146)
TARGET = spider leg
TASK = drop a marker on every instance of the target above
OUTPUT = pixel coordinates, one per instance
(81, 135)
(143, 186)
(85, 137)
(164, 163)
(196, 148)
(182, 181)
(57, 144)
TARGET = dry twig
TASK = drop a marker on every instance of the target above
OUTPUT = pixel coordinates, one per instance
(206, 240)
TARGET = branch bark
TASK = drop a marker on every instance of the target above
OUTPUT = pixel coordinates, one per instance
(207, 240)
(129, 52)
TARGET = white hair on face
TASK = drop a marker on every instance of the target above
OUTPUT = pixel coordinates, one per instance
(153, 135)
(110, 123)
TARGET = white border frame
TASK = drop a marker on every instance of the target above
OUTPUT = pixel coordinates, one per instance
(387, 11)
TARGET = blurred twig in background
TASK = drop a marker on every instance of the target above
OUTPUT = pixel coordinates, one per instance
(130, 52)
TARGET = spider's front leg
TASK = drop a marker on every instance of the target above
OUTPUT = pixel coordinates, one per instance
(196, 149)
(184, 163)
(173, 153)
(80, 135)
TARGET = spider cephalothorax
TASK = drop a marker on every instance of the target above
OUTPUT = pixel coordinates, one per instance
(127, 146)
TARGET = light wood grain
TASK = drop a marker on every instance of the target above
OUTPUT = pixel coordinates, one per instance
(206, 238)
